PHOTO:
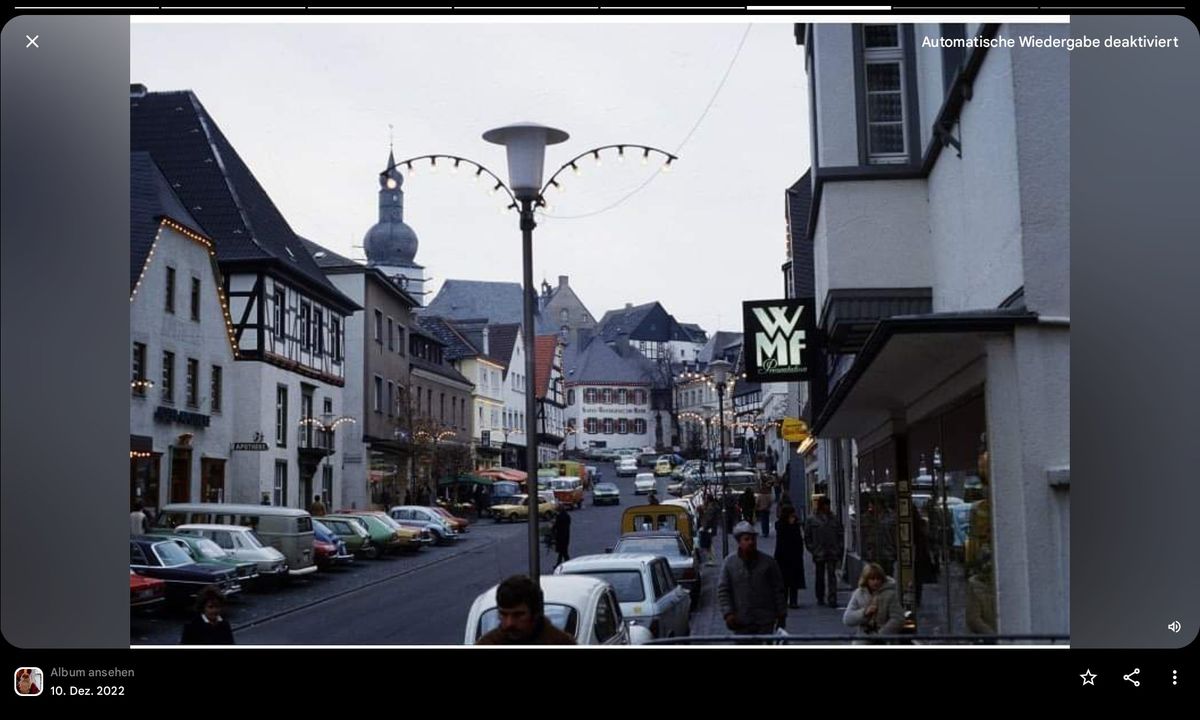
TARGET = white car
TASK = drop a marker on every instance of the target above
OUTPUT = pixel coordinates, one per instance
(584, 607)
(243, 545)
(627, 467)
(645, 587)
(645, 483)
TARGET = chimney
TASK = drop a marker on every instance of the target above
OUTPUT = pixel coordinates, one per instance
(485, 341)
(562, 281)
(137, 90)
(628, 306)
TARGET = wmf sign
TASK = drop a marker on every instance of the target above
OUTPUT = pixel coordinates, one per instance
(779, 337)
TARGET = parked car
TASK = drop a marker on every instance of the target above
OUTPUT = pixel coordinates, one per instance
(518, 509)
(162, 558)
(585, 608)
(425, 518)
(288, 530)
(685, 564)
(645, 588)
(385, 533)
(644, 484)
(201, 549)
(145, 592)
(335, 551)
(458, 523)
(663, 465)
(354, 534)
(606, 494)
(245, 546)
(627, 467)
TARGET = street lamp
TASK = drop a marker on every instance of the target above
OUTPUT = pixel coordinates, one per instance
(525, 144)
(720, 375)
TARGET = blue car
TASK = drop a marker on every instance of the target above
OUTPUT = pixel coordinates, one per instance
(158, 557)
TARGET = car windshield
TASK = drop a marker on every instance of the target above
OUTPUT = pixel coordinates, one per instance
(666, 546)
(253, 540)
(607, 488)
(563, 617)
(209, 549)
(171, 554)
(627, 583)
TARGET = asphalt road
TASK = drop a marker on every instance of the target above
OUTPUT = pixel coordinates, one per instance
(415, 599)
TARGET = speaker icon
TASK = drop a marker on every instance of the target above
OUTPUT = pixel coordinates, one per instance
(1175, 627)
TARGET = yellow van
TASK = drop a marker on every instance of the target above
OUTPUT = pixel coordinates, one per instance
(659, 517)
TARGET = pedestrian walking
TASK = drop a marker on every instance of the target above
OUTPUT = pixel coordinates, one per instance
(747, 504)
(562, 537)
(762, 506)
(789, 553)
(731, 512)
(874, 608)
(751, 591)
(208, 627)
(318, 509)
(710, 518)
(652, 499)
(823, 535)
(137, 520)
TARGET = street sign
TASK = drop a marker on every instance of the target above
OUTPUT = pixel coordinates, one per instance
(795, 430)
(251, 446)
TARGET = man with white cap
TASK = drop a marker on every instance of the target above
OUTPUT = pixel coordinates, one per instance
(751, 590)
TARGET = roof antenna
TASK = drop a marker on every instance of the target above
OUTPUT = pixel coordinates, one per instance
(391, 138)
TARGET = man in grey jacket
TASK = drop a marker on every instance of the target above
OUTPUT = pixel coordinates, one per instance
(823, 536)
(751, 593)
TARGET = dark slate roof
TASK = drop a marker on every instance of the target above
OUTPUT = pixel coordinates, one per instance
(799, 202)
(501, 339)
(150, 199)
(697, 333)
(496, 302)
(329, 259)
(445, 371)
(623, 321)
(457, 346)
(218, 189)
(718, 343)
(598, 363)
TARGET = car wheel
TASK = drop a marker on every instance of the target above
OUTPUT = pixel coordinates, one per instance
(371, 553)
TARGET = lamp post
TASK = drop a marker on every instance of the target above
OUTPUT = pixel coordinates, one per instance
(720, 374)
(526, 148)
(525, 144)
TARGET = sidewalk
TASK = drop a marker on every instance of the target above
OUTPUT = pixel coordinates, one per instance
(809, 619)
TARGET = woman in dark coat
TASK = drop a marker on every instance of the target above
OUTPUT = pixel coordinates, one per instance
(747, 503)
(789, 553)
(562, 536)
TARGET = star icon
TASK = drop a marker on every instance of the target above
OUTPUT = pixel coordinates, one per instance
(1089, 678)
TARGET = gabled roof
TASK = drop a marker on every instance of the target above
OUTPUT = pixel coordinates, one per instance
(496, 302)
(695, 332)
(623, 321)
(717, 344)
(218, 189)
(150, 199)
(597, 363)
(333, 264)
(457, 346)
(543, 348)
(502, 338)
(799, 202)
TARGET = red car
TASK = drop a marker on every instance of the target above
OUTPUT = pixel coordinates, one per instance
(459, 524)
(145, 592)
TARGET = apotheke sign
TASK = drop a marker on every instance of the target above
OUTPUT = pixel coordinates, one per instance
(780, 337)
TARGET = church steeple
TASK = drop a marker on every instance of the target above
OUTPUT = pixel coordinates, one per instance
(390, 241)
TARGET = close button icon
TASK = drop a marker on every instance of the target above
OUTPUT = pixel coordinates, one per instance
(32, 42)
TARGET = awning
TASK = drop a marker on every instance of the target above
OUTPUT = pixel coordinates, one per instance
(902, 359)
(465, 480)
(503, 473)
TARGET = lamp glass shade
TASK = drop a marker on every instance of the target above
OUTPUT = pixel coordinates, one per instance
(720, 371)
(526, 144)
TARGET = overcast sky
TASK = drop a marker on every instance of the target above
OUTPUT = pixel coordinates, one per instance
(308, 108)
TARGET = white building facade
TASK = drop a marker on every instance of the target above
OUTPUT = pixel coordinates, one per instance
(940, 231)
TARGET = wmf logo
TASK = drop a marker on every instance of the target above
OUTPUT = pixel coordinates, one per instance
(778, 331)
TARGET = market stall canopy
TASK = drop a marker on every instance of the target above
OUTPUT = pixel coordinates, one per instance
(503, 473)
(466, 480)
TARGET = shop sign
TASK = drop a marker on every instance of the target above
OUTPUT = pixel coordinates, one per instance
(171, 415)
(795, 430)
(780, 338)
